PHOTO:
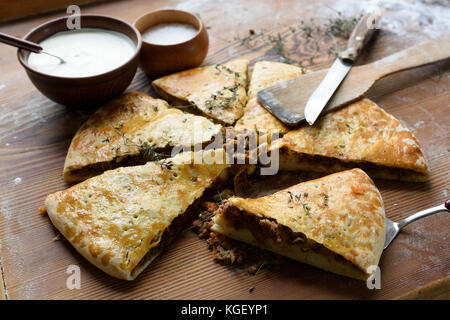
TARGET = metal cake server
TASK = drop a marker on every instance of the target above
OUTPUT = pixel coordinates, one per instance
(393, 228)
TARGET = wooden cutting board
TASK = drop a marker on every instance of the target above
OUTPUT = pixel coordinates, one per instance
(35, 134)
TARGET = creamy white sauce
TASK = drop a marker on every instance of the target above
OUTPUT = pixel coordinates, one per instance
(87, 52)
(169, 33)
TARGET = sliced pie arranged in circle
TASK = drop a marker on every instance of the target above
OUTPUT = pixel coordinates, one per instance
(121, 219)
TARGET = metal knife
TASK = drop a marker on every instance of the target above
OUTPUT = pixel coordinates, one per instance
(361, 34)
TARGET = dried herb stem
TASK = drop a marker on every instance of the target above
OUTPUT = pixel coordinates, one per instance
(318, 31)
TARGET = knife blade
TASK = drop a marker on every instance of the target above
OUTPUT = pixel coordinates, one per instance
(326, 89)
(361, 34)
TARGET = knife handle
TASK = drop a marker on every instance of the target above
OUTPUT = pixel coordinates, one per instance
(20, 43)
(361, 34)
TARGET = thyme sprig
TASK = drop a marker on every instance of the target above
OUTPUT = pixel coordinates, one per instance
(146, 150)
(297, 198)
(342, 26)
(220, 98)
(318, 31)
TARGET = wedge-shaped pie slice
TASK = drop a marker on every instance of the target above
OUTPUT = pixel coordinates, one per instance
(359, 135)
(336, 223)
(122, 219)
(132, 130)
(265, 74)
(218, 91)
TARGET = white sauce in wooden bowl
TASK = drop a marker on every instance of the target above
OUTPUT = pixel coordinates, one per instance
(87, 52)
(169, 33)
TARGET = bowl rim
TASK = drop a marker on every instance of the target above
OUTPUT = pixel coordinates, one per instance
(95, 77)
(199, 30)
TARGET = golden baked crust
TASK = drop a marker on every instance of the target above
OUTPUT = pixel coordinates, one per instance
(127, 127)
(115, 219)
(218, 91)
(358, 135)
(265, 74)
(343, 212)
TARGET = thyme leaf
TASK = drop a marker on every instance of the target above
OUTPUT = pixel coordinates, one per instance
(166, 164)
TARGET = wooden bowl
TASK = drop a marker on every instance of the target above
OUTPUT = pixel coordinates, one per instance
(156, 59)
(83, 92)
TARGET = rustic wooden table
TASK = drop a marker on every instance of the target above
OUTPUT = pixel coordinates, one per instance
(35, 134)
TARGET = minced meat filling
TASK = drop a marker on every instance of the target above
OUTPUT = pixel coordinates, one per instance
(129, 160)
(339, 165)
(265, 228)
(177, 225)
(261, 228)
(97, 168)
(146, 153)
(229, 251)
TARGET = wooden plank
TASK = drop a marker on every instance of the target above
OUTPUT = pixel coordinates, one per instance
(12, 10)
(35, 134)
(436, 290)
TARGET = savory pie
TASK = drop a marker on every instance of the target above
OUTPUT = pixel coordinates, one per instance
(335, 223)
(122, 219)
(265, 74)
(359, 135)
(132, 130)
(218, 91)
